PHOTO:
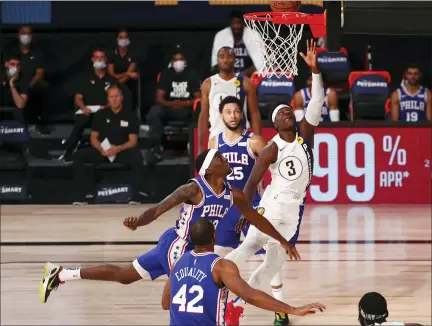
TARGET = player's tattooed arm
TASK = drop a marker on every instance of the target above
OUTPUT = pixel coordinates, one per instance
(190, 192)
(267, 156)
(428, 105)
(227, 273)
(261, 223)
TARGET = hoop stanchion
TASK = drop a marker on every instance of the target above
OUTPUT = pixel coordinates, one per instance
(277, 35)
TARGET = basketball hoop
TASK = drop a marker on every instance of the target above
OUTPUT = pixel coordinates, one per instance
(278, 51)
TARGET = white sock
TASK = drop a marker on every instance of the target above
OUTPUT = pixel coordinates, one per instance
(69, 274)
(278, 294)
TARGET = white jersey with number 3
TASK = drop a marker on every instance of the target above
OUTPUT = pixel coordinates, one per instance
(291, 173)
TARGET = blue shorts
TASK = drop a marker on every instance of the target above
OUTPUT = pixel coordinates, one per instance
(226, 231)
(159, 260)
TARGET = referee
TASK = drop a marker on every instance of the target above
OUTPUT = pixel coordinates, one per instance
(120, 127)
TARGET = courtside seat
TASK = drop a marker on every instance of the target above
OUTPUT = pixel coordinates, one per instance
(272, 91)
(369, 94)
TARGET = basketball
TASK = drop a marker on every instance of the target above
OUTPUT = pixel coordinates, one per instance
(285, 6)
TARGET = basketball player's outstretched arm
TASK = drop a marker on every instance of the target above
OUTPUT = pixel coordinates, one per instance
(189, 192)
(313, 110)
(252, 103)
(204, 115)
(226, 272)
(267, 156)
(261, 223)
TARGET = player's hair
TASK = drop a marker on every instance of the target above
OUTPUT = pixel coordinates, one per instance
(229, 100)
(199, 161)
(202, 232)
(13, 56)
(412, 65)
(236, 14)
(230, 49)
(372, 303)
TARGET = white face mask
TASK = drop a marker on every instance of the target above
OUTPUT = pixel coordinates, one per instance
(179, 65)
(25, 39)
(123, 42)
(99, 64)
(12, 71)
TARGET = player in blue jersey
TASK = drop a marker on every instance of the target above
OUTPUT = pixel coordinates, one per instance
(329, 110)
(411, 102)
(240, 147)
(197, 290)
(207, 195)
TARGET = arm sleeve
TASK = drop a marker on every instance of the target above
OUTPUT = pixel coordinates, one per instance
(313, 111)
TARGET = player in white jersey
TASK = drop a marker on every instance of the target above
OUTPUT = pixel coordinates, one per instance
(289, 158)
(216, 88)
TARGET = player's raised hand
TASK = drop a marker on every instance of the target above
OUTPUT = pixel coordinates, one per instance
(291, 251)
(309, 309)
(131, 223)
(311, 56)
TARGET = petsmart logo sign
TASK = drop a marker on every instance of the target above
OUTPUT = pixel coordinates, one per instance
(115, 193)
(369, 83)
(13, 191)
(13, 131)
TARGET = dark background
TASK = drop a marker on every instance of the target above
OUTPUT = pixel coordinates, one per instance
(67, 32)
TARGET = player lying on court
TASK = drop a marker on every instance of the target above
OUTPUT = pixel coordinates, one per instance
(289, 158)
(241, 148)
(197, 290)
(207, 195)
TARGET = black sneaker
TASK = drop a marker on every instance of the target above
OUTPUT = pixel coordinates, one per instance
(281, 319)
(50, 281)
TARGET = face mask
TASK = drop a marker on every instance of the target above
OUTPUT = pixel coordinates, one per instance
(179, 65)
(25, 39)
(123, 42)
(12, 71)
(99, 64)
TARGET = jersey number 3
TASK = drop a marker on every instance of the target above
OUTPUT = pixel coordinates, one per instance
(290, 167)
(180, 299)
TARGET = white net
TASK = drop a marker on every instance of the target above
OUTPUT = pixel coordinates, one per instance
(277, 44)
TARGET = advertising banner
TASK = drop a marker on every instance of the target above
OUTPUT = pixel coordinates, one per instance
(377, 165)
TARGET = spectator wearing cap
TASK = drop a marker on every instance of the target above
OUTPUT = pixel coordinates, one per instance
(373, 311)
(176, 91)
(243, 41)
(122, 65)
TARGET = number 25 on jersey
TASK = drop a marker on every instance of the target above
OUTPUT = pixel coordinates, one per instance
(181, 299)
(236, 174)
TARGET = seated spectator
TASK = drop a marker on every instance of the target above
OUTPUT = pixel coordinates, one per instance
(13, 99)
(32, 67)
(329, 111)
(176, 91)
(243, 41)
(91, 97)
(123, 66)
(373, 311)
(411, 102)
(120, 128)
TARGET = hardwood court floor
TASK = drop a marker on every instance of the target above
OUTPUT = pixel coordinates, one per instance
(346, 251)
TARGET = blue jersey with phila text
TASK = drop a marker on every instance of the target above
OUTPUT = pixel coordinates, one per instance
(412, 106)
(212, 206)
(306, 95)
(195, 299)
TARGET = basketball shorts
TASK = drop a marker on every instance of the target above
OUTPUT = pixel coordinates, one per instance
(160, 259)
(227, 232)
(286, 219)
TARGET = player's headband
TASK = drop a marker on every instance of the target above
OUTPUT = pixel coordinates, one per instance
(278, 108)
(372, 317)
(211, 153)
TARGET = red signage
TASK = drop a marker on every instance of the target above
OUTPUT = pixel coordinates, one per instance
(369, 165)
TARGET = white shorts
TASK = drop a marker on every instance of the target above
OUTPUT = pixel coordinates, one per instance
(285, 217)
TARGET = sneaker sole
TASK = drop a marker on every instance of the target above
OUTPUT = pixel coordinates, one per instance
(44, 283)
